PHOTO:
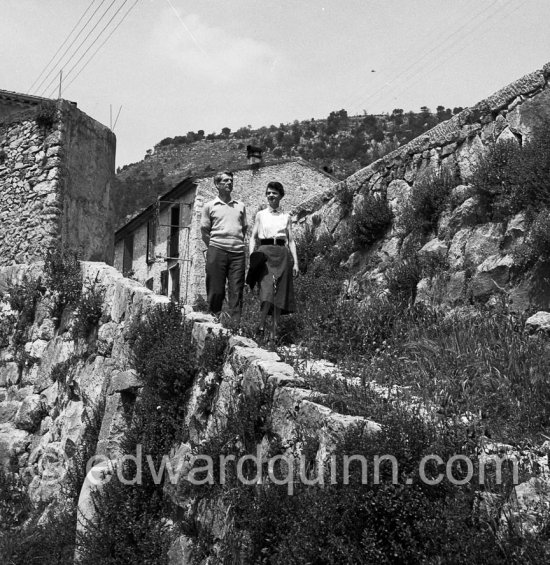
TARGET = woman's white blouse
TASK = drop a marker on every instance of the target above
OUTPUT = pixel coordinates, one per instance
(272, 224)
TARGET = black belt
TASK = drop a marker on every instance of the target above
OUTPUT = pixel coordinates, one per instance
(272, 241)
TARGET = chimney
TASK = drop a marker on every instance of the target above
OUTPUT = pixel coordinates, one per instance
(254, 156)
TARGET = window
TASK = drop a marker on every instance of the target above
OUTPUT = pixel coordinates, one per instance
(173, 242)
(128, 256)
(164, 283)
(175, 282)
(149, 283)
(151, 240)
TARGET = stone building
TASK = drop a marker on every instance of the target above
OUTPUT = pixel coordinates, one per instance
(162, 247)
(56, 170)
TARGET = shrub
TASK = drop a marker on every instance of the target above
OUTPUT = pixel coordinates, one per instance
(428, 199)
(133, 521)
(89, 310)
(539, 236)
(46, 114)
(370, 220)
(24, 299)
(346, 521)
(344, 197)
(511, 178)
(64, 278)
(402, 278)
(325, 247)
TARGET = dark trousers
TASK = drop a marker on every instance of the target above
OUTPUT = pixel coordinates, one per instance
(221, 267)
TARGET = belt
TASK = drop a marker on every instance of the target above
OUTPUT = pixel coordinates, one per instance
(272, 241)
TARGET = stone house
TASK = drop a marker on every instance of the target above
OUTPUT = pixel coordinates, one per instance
(56, 170)
(161, 246)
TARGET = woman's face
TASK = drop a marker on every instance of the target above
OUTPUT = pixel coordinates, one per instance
(273, 197)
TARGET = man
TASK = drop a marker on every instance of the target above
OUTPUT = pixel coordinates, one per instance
(223, 228)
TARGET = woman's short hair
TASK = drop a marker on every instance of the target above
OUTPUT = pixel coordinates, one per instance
(276, 185)
(218, 176)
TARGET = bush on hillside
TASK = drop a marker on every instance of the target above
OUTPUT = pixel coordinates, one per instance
(402, 278)
(64, 278)
(370, 220)
(134, 520)
(428, 199)
(511, 178)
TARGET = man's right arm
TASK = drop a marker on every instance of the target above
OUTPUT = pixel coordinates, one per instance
(206, 224)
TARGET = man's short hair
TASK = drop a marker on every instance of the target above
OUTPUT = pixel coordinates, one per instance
(276, 185)
(218, 176)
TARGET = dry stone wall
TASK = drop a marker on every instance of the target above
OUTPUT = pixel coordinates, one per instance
(43, 416)
(55, 183)
(30, 206)
(480, 257)
(510, 113)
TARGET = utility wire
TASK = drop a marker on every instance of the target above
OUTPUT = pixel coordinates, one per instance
(447, 52)
(96, 38)
(53, 70)
(81, 43)
(410, 67)
(60, 47)
(441, 62)
(417, 64)
(408, 57)
(102, 44)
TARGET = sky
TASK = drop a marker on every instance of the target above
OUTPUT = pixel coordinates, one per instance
(173, 66)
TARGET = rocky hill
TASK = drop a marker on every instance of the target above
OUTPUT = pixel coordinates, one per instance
(339, 144)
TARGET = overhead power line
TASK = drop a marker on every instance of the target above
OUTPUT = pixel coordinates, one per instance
(61, 46)
(96, 38)
(58, 64)
(451, 49)
(101, 45)
(80, 45)
(414, 64)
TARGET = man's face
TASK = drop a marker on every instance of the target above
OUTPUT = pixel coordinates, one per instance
(225, 186)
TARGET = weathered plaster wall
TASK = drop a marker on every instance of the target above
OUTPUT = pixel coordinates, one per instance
(55, 186)
(143, 271)
(88, 166)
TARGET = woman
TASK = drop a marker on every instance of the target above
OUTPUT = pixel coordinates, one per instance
(273, 230)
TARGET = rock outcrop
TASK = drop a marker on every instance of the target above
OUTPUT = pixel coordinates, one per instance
(479, 257)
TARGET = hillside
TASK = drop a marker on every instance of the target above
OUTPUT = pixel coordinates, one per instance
(339, 144)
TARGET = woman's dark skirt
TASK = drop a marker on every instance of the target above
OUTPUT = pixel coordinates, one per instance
(276, 285)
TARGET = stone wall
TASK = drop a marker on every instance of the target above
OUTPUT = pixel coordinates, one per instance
(510, 113)
(480, 257)
(42, 419)
(55, 186)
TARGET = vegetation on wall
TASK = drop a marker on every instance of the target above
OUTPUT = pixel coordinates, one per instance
(46, 114)
(511, 177)
(429, 197)
(370, 220)
(133, 521)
